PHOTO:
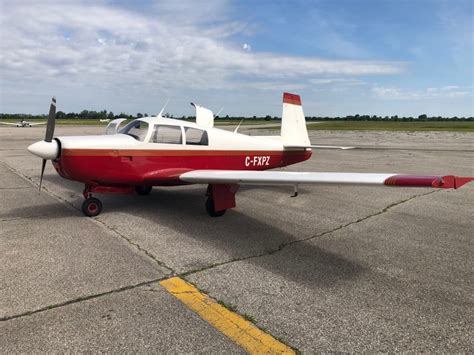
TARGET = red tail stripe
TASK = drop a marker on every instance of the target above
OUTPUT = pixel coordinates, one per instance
(291, 99)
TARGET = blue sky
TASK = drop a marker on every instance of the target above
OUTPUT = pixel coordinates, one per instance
(387, 57)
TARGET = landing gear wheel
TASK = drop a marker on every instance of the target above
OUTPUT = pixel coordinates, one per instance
(91, 207)
(210, 208)
(143, 190)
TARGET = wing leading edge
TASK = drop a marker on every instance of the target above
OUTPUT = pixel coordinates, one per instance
(243, 177)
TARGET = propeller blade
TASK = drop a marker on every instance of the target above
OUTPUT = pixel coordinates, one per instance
(51, 122)
(42, 173)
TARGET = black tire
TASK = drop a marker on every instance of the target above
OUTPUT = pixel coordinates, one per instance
(91, 207)
(143, 190)
(210, 208)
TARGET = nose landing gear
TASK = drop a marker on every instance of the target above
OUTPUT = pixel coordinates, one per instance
(91, 206)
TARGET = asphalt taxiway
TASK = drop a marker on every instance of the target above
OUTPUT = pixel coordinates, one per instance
(338, 268)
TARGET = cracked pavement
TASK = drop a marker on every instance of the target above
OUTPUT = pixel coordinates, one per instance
(336, 269)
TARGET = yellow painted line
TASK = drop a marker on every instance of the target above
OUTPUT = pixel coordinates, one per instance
(234, 326)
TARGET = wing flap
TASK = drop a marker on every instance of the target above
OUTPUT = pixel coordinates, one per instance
(244, 177)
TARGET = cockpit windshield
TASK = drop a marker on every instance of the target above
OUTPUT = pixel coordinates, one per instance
(136, 129)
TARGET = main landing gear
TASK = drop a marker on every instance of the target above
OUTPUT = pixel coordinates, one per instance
(220, 197)
(210, 208)
(143, 190)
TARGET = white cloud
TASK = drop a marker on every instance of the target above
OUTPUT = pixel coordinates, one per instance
(93, 50)
(395, 93)
(336, 81)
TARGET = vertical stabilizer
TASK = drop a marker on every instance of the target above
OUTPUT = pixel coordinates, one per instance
(204, 116)
(293, 123)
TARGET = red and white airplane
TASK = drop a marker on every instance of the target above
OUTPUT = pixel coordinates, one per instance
(157, 151)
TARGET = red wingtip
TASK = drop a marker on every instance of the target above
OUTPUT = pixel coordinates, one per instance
(291, 99)
(444, 182)
(454, 182)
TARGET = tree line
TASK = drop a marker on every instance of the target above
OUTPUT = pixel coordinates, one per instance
(104, 114)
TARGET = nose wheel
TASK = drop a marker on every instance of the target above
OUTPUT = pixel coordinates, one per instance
(91, 206)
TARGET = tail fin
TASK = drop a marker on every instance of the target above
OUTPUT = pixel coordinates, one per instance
(204, 116)
(293, 123)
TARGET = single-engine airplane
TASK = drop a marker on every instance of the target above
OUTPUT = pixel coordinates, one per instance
(158, 151)
(23, 123)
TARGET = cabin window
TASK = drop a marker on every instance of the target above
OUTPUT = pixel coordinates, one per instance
(196, 136)
(136, 129)
(111, 129)
(167, 134)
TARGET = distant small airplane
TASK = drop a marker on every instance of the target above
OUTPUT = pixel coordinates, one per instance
(104, 120)
(23, 123)
(158, 151)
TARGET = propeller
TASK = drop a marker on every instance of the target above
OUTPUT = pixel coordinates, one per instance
(49, 133)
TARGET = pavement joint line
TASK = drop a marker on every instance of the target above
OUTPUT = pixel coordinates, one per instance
(322, 234)
(234, 326)
(27, 217)
(138, 246)
(16, 188)
(94, 220)
(80, 299)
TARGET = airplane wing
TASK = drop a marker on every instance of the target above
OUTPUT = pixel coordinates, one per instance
(244, 177)
(36, 124)
(8, 123)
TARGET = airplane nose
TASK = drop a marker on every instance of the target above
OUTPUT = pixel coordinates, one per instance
(45, 150)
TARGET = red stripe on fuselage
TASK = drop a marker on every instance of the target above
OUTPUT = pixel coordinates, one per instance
(163, 167)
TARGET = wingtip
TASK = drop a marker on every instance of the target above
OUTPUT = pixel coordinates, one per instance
(454, 182)
(443, 182)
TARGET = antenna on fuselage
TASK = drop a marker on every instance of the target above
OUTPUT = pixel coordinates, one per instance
(237, 128)
(161, 112)
(217, 114)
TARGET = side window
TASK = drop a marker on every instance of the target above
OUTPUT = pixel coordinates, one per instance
(196, 136)
(136, 129)
(167, 134)
(111, 128)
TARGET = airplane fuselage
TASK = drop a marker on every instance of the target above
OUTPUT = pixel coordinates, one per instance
(121, 159)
